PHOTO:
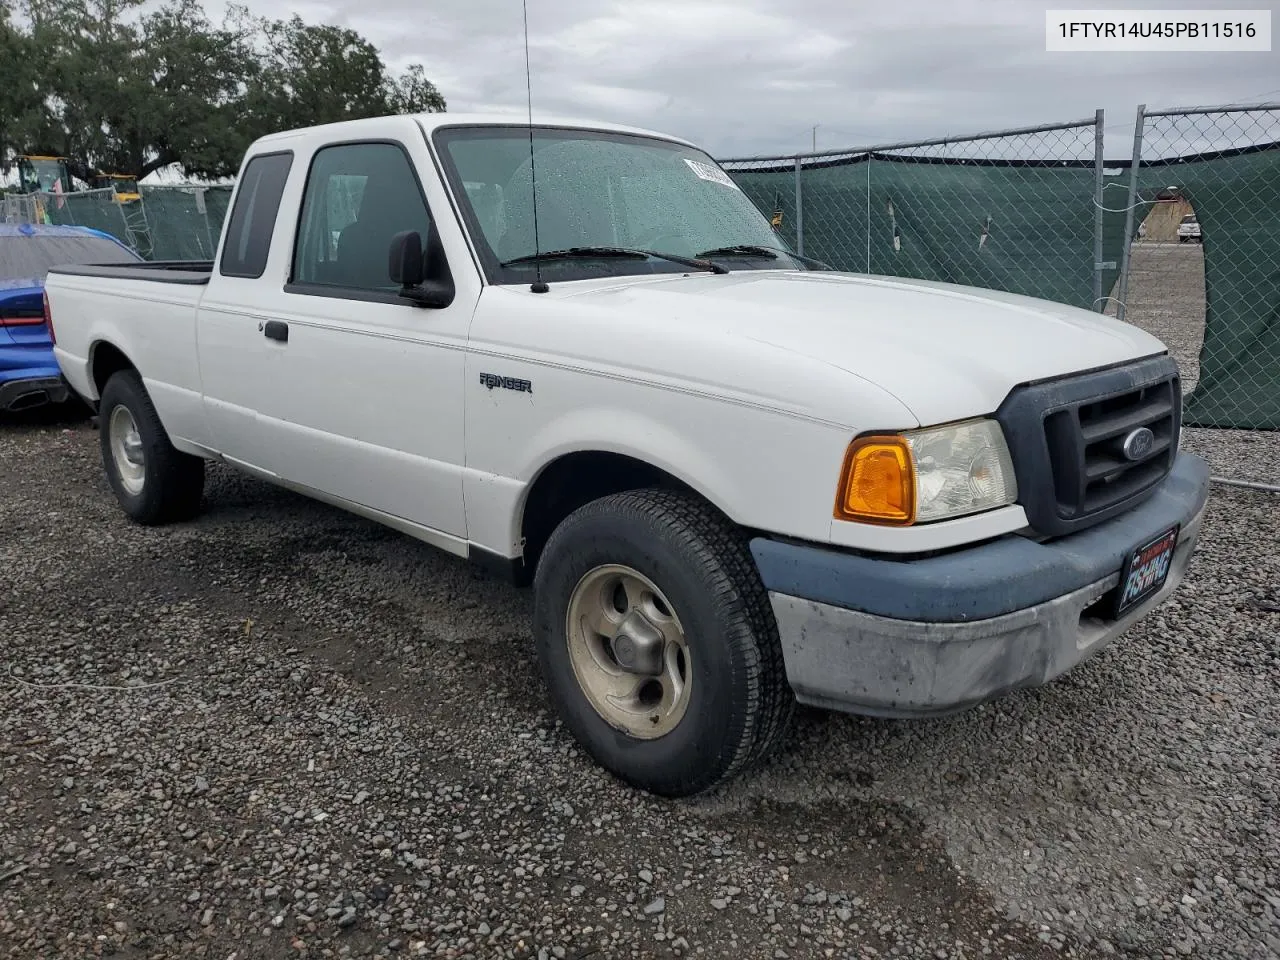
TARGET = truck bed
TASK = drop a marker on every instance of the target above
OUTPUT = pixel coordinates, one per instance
(156, 271)
(147, 311)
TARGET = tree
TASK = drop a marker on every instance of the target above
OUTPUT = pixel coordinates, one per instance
(199, 76)
(315, 74)
(120, 90)
(19, 98)
(414, 93)
(92, 83)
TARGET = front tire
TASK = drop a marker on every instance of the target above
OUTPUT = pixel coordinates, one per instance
(153, 482)
(657, 642)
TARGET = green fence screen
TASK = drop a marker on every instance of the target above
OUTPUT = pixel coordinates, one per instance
(167, 223)
(90, 208)
(1020, 227)
(1236, 199)
(185, 222)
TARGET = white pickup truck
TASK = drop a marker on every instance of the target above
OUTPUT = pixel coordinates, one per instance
(735, 478)
(1189, 229)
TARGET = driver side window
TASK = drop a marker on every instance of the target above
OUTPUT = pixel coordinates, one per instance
(358, 196)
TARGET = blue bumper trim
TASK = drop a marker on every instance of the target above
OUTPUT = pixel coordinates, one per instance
(24, 359)
(990, 580)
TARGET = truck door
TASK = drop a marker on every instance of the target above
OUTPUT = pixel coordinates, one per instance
(239, 370)
(367, 403)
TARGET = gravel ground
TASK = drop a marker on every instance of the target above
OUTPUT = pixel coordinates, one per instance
(1166, 298)
(282, 731)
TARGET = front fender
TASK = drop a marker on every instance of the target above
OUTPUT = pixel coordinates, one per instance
(763, 469)
(632, 434)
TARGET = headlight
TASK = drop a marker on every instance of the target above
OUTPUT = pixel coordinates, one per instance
(925, 475)
(961, 469)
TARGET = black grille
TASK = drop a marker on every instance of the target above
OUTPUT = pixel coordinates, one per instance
(1067, 440)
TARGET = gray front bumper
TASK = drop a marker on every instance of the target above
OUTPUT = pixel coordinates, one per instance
(863, 662)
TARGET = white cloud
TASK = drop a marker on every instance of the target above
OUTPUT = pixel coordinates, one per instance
(755, 76)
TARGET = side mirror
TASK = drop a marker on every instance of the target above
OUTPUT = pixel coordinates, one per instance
(424, 279)
(405, 264)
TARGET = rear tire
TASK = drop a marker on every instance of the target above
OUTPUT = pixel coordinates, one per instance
(153, 482)
(681, 564)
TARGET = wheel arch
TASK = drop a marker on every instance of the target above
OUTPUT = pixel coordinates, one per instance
(106, 359)
(573, 478)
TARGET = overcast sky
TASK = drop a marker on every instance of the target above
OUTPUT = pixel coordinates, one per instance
(754, 76)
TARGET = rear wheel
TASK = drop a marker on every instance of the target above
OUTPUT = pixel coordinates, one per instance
(153, 482)
(657, 641)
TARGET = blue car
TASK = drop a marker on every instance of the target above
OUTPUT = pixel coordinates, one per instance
(29, 375)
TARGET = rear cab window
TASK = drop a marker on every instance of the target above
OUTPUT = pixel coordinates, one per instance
(253, 218)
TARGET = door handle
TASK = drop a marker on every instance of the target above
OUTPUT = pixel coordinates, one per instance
(276, 330)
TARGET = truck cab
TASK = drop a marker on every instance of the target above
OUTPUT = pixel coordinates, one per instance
(576, 354)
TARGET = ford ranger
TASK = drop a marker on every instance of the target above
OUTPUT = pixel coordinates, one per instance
(579, 355)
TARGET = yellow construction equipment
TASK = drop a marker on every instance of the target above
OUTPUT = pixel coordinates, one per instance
(41, 174)
(123, 186)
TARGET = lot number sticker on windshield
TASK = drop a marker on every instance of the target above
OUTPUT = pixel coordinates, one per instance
(707, 171)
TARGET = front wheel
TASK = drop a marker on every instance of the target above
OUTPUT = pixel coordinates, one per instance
(657, 642)
(153, 482)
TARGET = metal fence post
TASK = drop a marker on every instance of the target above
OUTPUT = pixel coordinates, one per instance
(208, 230)
(1099, 303)
(868, 213)
(799, 211)
(1132, 202)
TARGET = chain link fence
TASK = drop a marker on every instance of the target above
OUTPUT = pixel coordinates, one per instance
(18, 208)
(84, 208)
(1209, 177)
(165, 223)
(185, 222)
(1016, 210)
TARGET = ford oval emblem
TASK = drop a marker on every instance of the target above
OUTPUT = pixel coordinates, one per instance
(1138, 444)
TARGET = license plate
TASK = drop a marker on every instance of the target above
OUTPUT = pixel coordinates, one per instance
(1145, 571)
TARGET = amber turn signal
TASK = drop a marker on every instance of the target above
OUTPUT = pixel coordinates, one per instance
(877, 484)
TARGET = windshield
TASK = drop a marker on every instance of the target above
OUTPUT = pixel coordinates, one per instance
(598, 189)
(24, 257)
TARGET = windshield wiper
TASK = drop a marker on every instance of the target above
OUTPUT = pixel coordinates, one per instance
(755, 250)
(591, 253)
(740, 250)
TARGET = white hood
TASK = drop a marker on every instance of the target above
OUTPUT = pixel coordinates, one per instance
(944, 351)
